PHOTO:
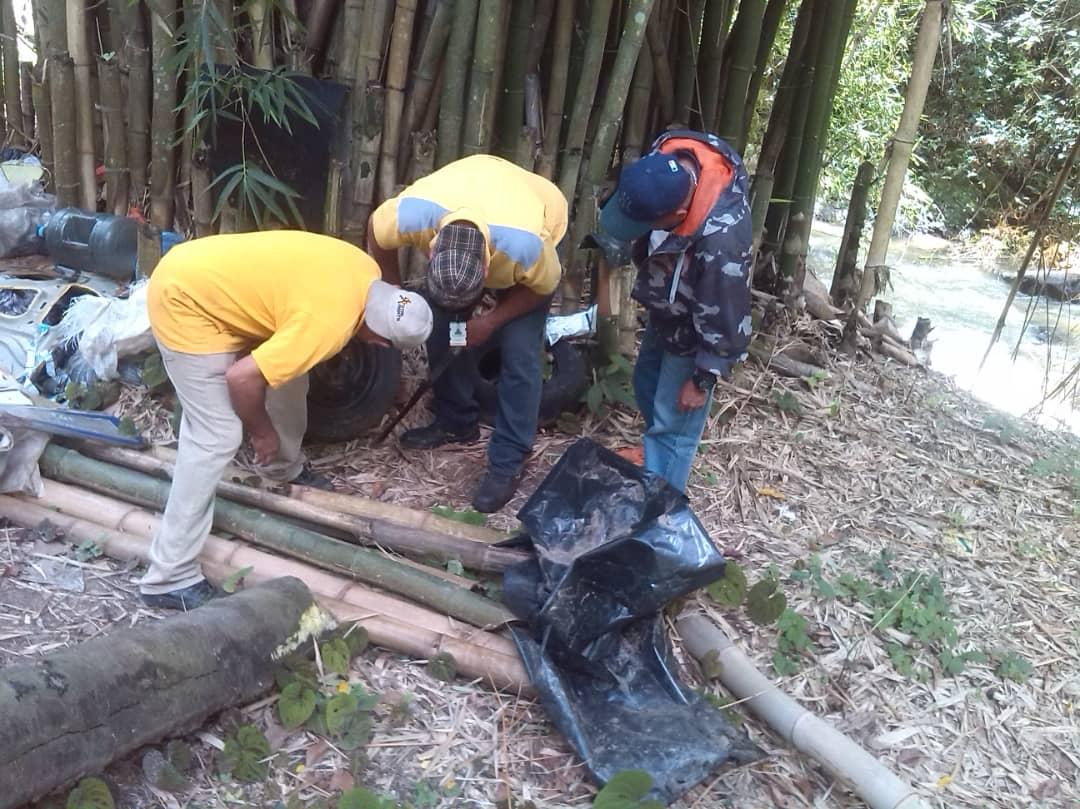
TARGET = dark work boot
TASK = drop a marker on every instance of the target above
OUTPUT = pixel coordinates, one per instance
(185, 599)
(494, 491)
(309, 477)
(436, 435)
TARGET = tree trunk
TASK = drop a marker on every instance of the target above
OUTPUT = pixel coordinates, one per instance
(714, 28)
(815, 131)
(511, 105)
(742, 48)
(483, 79)
(585, 97)
(61, 73)
(397, 73)
(112, 111)
(424, 77)
(163, 118)
(43, 108)
(925, 53)
(687, 44)
(76, 710)
(455, 81)
(129, 18)
(845, 282)
(770, 25)
(79, 48)
(776, 132)
(556, 99)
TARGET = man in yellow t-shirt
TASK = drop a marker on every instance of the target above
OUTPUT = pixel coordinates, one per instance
(484, 223)
(240, 319)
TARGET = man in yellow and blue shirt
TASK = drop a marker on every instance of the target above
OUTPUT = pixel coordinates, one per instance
(485, 223)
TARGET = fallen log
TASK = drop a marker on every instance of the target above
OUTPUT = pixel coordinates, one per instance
(422, 540)
(785, 365)
(74, 711)
(806, 732)
(266, 530)
(885, 345)
(392, 623)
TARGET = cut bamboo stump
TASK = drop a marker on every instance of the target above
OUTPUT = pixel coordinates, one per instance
(123, 532)
(807, 733)
(73, 712)
(269, 531)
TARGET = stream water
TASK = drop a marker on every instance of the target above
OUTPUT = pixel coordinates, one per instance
(963, 298)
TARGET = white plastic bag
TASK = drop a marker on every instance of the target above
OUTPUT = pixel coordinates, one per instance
(108, 328)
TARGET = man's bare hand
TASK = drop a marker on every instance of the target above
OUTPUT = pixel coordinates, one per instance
(266, 446)
(690, 398)
(478, 330)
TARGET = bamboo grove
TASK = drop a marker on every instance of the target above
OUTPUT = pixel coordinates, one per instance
(568, 89)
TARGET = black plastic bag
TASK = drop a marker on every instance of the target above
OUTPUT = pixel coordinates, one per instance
(614, 545)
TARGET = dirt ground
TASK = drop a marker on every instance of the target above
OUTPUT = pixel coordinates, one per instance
(813, 480)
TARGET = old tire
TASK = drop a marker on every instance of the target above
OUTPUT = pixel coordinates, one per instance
(351, 392)
(562, 390)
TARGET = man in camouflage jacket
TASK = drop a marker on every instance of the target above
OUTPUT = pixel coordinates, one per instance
(685, 208)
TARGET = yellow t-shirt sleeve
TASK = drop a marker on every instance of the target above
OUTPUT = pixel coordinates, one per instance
(302, 343)
(387, 232)
(543, 277)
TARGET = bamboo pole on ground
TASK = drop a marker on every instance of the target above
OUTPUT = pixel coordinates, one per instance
(770, 25)
(714, 29)
(686, 36)
(79, 48)
(455, 82)
(26, 100)
(482, 97)
(806, 732)
(511, 104)
(585, 97)
(61, 73)
(163, 115)
(263, 529)
(124, 532)
(556, 98)
(903, 142)
(424, 76)
(129, 19)
(742, 50)
(397, 74)
(43, 109)
(660, 67)
(416, 541)
(112, 110)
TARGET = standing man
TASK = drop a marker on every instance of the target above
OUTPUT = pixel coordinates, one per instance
(240, 320)
(484, 223)
(684, 206)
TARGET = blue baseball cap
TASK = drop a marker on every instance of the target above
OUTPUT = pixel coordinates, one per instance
(648, 189)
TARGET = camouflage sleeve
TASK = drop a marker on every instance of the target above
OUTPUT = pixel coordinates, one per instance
(722, 298)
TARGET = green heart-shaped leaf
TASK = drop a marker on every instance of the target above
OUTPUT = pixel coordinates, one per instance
(765, 603)
(339, 710)
(295, 705)
(91, 793)
(335, 656)
(730, 590)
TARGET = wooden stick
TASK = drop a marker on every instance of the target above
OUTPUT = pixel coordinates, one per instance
(809, 734)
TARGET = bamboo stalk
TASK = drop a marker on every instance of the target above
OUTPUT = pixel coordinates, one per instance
(845, 284)
(397, 73)
(293, 34)
(424, 76)
(687, 43)
(163, 115)
(26, 100)
(511, 106)
(262, 529)
(638, 105)
(585, 97)
(714, 28)
(417, 541)
(742, 46)
(554, 112)
(43, 109)
(806, 732)
(12, 102)
(319, 20)
(455, 81)
(261, 18)
(112, 109)
(660, 65)
(79, 48)
(479, 112)
(770, 25)
(61, 73)
(543, 12)
(423, 163)
(390, 622)
(50, 28)
(129, 19)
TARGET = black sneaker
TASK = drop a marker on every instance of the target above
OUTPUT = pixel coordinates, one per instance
(186, 599)
(307, 477)
(494, 491)
(436, 435)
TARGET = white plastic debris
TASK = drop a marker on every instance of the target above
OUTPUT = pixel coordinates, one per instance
(108, 328)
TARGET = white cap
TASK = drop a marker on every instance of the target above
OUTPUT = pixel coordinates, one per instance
(402, 317)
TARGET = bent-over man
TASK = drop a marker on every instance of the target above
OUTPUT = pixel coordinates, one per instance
(240, 319)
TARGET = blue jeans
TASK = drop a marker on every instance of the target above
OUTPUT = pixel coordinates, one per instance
(671, 435)
(521, 381)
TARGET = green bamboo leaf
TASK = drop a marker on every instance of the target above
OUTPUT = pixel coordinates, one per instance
(232, 581)
(295, 705)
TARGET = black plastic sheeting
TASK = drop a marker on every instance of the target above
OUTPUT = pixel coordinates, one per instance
(614, 544)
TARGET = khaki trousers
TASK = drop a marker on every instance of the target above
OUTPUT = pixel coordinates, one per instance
(210, 435)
